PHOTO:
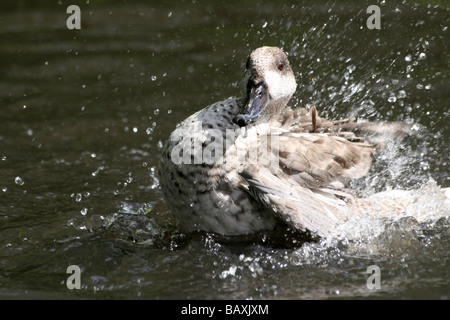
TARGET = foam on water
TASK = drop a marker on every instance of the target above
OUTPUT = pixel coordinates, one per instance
(369, 236)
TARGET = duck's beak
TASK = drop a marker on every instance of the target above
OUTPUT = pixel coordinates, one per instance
(258, 99)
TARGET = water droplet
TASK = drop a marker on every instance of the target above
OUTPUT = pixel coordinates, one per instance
(408, 58)
(101, 168)
(84, 211)
(153, 78)
(93, 155)
(351, 68)
(78, 197)
(4, 158)
(265, 24)
(392, 99)
(5, 189)
(169, 111)
(156, 112)
(170, 14)
(346, 76)
(401, 94)
(19, 181)
(135, 129)
(422, 56)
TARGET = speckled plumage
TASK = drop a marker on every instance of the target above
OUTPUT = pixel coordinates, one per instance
(305, 184)
(209, 197)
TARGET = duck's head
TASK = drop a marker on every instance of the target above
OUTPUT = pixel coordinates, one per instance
(270, 84)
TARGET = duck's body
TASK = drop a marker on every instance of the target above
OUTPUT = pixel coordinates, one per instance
(244, 165)
(209, 196)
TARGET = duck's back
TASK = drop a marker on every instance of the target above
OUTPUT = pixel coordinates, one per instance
(202, 189)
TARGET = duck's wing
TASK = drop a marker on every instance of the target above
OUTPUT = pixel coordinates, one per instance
(303, 209)
(303, 181)
(321, 160)
(302, 120)
(311, 161)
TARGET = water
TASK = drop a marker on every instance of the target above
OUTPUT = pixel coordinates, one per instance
(84, 114)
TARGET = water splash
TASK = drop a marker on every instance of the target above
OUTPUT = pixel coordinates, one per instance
(375, 235)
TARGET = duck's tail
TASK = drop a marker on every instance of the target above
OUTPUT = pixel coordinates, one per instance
(428, 202)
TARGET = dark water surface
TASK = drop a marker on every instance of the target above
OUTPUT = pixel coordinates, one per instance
(84, 114)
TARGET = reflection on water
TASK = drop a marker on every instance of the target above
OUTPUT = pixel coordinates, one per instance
(85, 113)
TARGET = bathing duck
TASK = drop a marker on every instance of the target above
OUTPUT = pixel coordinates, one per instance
(245, 165)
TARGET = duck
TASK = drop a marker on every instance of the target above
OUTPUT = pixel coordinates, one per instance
(250, 164)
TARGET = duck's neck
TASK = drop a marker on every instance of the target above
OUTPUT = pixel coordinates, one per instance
(273, 110)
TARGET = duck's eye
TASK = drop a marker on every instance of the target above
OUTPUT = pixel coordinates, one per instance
(280, 66)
